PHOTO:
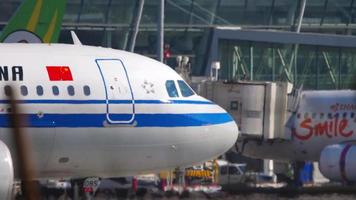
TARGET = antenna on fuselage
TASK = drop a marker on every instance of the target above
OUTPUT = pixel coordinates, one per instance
(75, 38)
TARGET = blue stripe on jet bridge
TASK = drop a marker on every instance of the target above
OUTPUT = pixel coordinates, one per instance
(97, 101)
(141, 120)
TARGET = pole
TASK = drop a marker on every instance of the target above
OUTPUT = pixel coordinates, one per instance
(251, 62)
(301, 15)
(296, 46)
(160, 31)
(136, 25)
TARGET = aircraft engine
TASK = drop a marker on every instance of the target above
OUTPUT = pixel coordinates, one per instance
(6, 172)
(338, 162)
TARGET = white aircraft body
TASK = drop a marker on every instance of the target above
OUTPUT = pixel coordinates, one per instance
(101, 112)
(322, 129)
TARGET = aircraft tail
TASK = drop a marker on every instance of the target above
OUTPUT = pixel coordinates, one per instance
(35, 21)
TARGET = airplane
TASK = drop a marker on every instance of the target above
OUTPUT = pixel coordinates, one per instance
(35, 21)
(322, 128)
(99, 112)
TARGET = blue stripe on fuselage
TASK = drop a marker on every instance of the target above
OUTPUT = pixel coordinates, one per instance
(99, 120)
(98, 101)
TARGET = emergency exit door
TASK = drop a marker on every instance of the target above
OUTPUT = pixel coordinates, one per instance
(120, 105)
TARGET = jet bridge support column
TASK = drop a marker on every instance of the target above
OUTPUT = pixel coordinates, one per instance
(268, 167)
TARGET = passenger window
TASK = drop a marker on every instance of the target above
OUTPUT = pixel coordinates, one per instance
(185, 89)
(39, 90)
(7, 89)
(314, 115)
(70, 90)
(330, 116)
(352, 115)
(306, 115)
(55, 90)
(171, 88)
(86, 90)
(321, 115)
(344, 115)
(23, 90)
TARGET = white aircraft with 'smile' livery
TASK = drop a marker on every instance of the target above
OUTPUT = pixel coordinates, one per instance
(100, 112)
(322, 129)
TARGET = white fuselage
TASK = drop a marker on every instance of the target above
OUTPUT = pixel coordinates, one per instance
(126, 124)
(323, 118)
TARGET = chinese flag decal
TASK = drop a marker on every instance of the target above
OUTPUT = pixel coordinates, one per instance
(59, 73)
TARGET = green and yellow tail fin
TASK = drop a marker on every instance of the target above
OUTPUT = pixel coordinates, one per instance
(35, 21)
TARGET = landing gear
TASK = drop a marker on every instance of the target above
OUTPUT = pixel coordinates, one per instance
(180, 175)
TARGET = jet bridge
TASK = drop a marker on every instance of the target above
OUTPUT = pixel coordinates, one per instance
(264, 109)
(261, 109)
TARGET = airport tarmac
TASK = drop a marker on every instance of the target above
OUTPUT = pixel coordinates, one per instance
(257, 195)
(225, 197)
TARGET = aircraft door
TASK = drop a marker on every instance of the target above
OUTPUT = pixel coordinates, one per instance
(119, 96)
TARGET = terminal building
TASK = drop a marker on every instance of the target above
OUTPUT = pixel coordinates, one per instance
(268, 40)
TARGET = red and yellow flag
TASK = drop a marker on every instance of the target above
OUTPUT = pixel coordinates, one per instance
(59, 73)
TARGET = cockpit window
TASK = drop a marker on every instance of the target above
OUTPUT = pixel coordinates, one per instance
(185, 89)
(171, 88)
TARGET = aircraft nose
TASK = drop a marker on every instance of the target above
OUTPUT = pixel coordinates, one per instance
(228, 134)
(217, 134)
(224, 135)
